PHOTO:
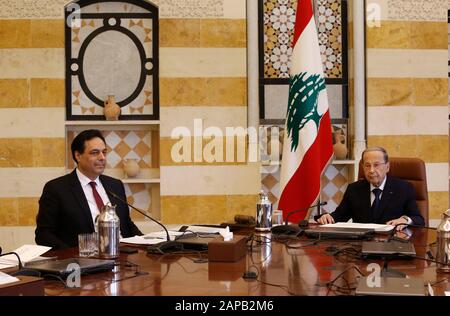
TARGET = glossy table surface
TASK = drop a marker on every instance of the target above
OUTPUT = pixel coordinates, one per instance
(283, 267)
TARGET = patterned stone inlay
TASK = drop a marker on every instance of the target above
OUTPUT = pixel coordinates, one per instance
(139, 195)
(329, 28)
(143, 103)
(123, 144)
(334, 183)
(279, 23)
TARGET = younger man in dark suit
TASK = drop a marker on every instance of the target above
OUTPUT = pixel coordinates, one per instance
(69, 204)
(378, 198)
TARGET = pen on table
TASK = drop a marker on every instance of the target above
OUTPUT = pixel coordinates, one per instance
(149, 237)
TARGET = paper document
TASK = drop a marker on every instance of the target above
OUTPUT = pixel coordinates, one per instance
(447, 293)
(159, 236)
(151, 238)
(6, 278)
(206, 230)
(376, 227)
(26, 253)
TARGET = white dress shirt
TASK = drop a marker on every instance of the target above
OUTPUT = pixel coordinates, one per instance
(88, 193)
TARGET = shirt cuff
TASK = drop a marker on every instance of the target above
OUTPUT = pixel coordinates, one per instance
(409, 220)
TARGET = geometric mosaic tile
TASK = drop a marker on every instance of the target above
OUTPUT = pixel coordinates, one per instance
(139, 195)
(279, 22)
(142, 103)
(334, 182)
(123, 144)
(269, 181)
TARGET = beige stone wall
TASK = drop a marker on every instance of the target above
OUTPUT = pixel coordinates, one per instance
(202, 76)
(32, 144)
(407, 88)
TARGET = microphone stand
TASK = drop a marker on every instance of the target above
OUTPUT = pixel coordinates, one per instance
(391, 273)
(394, 230)
(287, 229)
(159, 248)
(13, 253)
(386, 272)
(141, 212)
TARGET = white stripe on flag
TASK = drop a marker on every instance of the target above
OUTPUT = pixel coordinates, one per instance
(306, 53)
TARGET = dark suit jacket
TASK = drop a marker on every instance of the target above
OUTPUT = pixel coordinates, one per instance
(398, 199)
(64, 211)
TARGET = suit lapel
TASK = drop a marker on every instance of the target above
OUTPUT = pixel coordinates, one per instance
(388, 193)
(365, 194)
(78, 192)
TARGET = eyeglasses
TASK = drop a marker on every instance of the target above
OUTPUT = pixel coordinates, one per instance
(375, 165)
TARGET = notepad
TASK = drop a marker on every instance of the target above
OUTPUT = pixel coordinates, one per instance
(6, 278)
(339, 232)
(379, 228)
(27, 253)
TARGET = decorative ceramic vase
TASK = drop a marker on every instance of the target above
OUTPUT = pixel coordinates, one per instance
(111, 109)
(278, 143)
(281, 143)
(339, 147)
(131, 167)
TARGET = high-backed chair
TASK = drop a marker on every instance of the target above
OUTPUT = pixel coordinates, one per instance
(413, 171)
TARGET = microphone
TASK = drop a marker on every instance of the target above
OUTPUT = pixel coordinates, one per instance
(386, 271)
(287, 229)
(394, 230)
(141, 212)
(159, 248)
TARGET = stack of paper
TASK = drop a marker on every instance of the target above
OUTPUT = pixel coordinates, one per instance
(376, 227)
(206, 229)
(151, 239)
(6, 278)
(160, 236)
(27, 253)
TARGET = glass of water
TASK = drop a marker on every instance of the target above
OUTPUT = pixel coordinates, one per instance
(88, 245)
(277, 218)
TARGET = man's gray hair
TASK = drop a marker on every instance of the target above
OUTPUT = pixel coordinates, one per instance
(380, 149)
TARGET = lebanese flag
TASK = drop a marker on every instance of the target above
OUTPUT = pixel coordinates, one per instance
(307, 143)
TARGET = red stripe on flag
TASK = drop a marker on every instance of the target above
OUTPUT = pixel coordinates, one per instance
(303, 187)
(302, 17)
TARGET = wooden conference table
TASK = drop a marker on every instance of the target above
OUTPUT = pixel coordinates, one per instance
(288, 267)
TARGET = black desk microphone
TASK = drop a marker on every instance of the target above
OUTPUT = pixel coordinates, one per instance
(168, 245)
(141, 212)
(287, 229)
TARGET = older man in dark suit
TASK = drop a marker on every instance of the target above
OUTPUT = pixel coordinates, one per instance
(378, 198)
(69, 204)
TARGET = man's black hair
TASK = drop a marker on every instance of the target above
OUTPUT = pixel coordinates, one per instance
(79, 142)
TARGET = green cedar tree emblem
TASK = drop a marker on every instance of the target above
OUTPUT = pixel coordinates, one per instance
(302, 105)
